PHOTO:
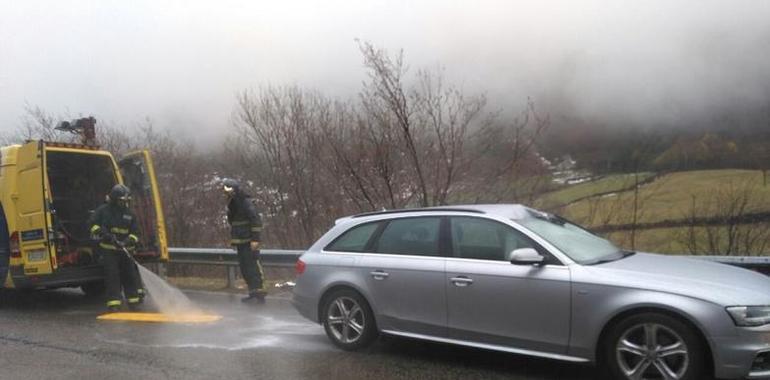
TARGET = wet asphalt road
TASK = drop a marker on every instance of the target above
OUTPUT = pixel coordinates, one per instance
(55, 335)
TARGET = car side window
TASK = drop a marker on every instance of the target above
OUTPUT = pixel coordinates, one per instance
(411, 236)
(482, 239)
(354, 239)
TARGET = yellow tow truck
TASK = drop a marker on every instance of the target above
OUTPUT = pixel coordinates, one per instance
(47, 192)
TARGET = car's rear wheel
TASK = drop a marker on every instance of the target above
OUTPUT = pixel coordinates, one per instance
(348, 320)
(652, 346)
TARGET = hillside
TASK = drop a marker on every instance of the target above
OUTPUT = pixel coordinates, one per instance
(708, 211)
(603, 185)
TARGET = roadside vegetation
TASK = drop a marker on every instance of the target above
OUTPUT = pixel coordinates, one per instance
(695, 212)
(604, 185)
(675, 197)
(410, 138)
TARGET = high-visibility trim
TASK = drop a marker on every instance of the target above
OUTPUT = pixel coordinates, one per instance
(95, 228)
(240, 223)
(261, 276)
(108, 246)
(239, 241)
(140, 291)
(256, 229)
(133, 237)
(119, 230)
(114, 303)
(133, 300)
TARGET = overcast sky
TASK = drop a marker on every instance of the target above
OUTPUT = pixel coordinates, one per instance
(181, 62)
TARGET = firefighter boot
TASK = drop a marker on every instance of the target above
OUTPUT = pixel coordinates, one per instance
(257, 296)
(113, 306)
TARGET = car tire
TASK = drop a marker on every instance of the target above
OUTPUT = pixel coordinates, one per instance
(642, 345)
(94, 289)
(348, 320)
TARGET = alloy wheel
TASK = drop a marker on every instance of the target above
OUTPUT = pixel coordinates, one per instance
(651, 351)
(346, 320)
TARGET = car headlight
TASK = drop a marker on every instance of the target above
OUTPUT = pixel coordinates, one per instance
(750, 315)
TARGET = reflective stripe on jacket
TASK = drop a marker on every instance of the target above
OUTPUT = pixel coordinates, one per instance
(244, 219)
(122, 223)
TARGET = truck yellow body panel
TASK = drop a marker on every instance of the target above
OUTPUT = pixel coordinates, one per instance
(46, 193)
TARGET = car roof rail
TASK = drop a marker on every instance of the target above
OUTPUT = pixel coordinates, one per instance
(421, 209)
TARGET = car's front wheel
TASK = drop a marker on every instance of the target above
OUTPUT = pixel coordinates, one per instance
(348, 320)
(651, 346)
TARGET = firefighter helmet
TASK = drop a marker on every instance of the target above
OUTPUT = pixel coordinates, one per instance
(230, 186)
(120, 195)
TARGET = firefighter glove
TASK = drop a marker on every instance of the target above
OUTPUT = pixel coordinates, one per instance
(108, 238)
(96, 233)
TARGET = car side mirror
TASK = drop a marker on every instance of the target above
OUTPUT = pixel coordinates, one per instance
(526, 256)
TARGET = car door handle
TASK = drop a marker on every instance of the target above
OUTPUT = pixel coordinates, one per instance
(461, 281)
(379, 275)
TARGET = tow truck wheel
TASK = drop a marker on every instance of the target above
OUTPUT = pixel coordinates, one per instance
(94, 289)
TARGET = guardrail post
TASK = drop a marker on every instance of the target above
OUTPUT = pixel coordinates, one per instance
(231, 277)
(158, 268)
(162, 270)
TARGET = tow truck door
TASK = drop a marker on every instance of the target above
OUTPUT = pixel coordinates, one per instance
(138, 174)
(33, 217)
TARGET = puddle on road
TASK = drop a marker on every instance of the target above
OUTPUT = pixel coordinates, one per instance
(274, 325)
(240, 328)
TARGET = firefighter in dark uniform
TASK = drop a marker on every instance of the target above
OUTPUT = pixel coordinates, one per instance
(245, 230)
(114, 225)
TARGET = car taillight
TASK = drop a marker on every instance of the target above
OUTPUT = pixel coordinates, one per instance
(299, 267)
(14, 245)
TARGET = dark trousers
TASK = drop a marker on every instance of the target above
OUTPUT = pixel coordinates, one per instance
(251, 268)
(120, 273)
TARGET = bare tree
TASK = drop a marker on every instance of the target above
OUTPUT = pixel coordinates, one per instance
(435, 124)
(386, 91)
(280, 128)
(365, 158)
(188, 186)
(37, 124)
(505, 157)
(719, 223)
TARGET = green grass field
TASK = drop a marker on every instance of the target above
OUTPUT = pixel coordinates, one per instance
(670, 197)
(677, 241)
(674, 197)
(572, 193)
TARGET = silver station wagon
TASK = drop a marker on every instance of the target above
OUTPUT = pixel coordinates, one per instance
(514, 279)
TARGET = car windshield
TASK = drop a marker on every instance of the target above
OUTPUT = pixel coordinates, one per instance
(580, 245)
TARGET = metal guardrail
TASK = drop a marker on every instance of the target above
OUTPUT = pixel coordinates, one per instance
(737, 260)
(228, 258)
(287, 258)
(757, 263)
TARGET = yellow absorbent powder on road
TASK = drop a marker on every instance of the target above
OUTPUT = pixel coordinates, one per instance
(160, 318)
